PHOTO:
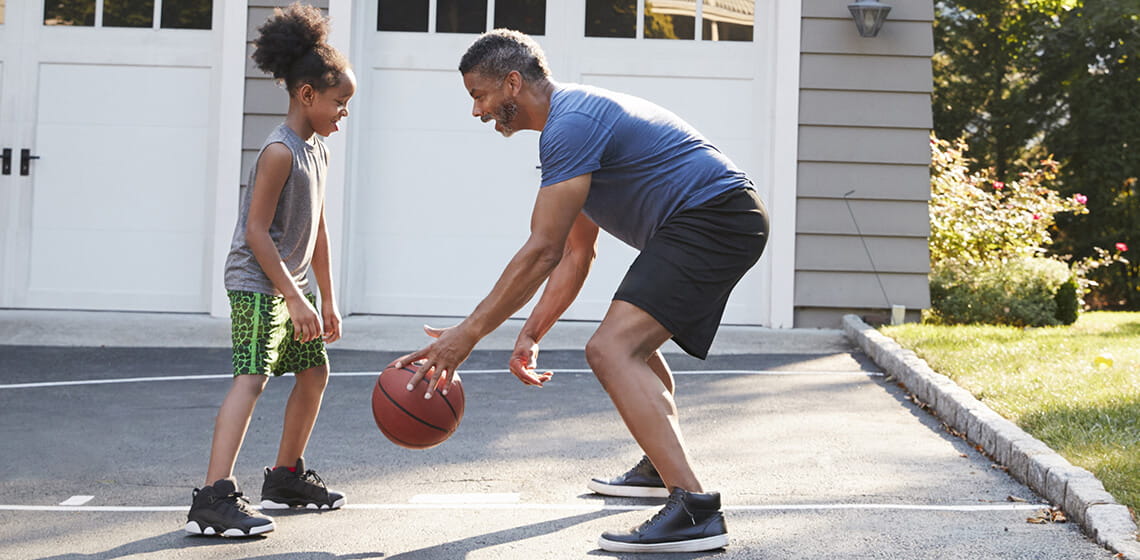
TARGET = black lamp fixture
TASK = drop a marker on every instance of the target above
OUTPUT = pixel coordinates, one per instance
(869, 16)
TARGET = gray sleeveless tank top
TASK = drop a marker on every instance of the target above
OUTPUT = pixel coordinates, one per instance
(295, 224)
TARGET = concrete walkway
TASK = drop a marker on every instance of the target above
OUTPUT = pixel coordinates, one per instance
(106, 419)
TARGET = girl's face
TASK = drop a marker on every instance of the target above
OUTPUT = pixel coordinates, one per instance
(326, 108)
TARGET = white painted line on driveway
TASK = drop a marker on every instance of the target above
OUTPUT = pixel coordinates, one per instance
(112, 381)
(76, 500)
(963, 508)
(504, 498)
(461, 372)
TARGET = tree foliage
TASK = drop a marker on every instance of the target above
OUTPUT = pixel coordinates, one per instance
(1027, 80)
(985, 65)
(1094, 56)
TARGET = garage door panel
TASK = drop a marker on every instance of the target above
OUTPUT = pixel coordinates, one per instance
(437, 191)
(158, 96)
(452, 181)
(402, 275)
(398, 277)
(70, 268)
(111, 215)
(161, 195)
(403, 99)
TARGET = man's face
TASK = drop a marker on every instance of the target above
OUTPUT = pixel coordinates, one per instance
(493, 99)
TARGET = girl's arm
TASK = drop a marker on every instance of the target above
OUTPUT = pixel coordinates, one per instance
(322, 270)
(273, 168)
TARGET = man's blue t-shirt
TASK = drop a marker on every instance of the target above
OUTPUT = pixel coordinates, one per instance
(647, 163)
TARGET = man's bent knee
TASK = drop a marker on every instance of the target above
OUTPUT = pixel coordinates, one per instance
(598, 351)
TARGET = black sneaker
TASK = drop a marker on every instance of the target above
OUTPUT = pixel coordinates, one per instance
(642, 481)
(689, 522)
(284, 489)
(221, 509)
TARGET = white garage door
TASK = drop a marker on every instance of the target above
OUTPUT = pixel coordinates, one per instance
(440, 202)
(116, 102)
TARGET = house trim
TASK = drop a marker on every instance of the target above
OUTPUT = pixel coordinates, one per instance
(231, 108)
(785, 155)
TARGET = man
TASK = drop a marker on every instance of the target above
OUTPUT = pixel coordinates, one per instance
(645, 176)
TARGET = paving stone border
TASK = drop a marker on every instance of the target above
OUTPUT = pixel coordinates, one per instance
(1075, 490)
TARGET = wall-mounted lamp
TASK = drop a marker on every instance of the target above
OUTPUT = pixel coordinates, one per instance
(869, 16)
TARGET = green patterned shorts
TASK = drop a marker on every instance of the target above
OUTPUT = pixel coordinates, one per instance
(263, 337)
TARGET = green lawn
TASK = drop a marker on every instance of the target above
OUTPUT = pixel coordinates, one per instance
(1048, 381)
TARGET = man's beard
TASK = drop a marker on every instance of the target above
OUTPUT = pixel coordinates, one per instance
(505, 116)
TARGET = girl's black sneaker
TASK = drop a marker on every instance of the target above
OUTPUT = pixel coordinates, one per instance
(221, 509)
(284, 489)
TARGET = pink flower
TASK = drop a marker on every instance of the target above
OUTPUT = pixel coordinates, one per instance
(1080, 198)
(1037, 216)
(999, 185)
(1122, 247)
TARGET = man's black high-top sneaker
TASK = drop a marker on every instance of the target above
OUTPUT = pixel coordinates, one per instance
(221, 509)
(642, 481)
(689, 522)
(285, 489)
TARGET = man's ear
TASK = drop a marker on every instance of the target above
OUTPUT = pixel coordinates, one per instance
(514, 82)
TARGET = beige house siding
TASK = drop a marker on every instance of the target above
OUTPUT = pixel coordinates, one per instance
(265, 101)
(864, 164)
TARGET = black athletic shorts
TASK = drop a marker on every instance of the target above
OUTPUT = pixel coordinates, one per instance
(687, 270)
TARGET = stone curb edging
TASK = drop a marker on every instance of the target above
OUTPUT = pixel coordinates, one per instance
(1075, 490)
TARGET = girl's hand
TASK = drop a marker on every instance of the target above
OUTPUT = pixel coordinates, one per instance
(306, 322)
(330, 316)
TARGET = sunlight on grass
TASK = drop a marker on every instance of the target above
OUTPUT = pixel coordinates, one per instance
(1056, 383)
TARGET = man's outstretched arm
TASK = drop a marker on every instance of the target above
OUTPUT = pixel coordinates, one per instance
(556, 209)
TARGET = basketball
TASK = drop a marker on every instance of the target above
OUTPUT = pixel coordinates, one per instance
(408, 419)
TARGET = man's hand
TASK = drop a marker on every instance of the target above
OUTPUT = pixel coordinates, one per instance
(438, 360)
(524, 360)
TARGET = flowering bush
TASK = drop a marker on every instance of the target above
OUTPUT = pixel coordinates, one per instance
(975, 218)
(988, 244)
(1084, 268)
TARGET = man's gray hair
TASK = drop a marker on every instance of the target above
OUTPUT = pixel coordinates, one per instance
(496, 53)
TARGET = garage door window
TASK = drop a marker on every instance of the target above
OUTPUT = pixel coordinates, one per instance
(461, 16)
(717, 20)
(171, 14)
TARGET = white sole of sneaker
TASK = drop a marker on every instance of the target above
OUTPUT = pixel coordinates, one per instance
(270, 504)
(627, 491)
(695, 545)
(194, 529)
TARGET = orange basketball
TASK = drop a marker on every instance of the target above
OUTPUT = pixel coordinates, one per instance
(408, 419)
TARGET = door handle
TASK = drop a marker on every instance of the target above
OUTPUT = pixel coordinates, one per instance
(6, 165)
(25, 158)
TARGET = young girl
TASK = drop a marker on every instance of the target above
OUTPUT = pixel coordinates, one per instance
(280, 234)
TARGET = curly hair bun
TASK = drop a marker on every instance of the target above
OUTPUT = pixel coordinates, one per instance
(288, 36)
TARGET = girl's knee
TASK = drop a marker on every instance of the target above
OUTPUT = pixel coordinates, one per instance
(250, 383)
(315, 377)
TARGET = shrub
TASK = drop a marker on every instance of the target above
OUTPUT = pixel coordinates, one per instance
(976, 218)
(988, 245)
(1022, 292)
